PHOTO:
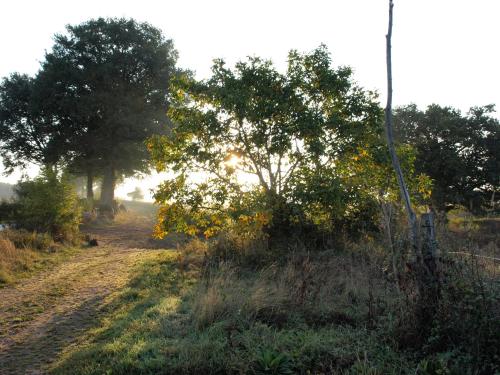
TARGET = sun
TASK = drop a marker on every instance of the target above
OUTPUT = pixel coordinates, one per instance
(232, 161)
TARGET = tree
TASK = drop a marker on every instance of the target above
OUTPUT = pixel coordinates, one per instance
(26, 129)
(136, 194)
(293, 135)
(459, 152)
(107, 80)
(121, 69)
(405, 195)
(48, 203)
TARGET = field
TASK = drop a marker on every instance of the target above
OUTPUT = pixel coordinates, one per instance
(128, 307)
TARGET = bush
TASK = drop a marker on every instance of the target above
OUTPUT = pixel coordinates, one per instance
(466, 326)
(48, 204)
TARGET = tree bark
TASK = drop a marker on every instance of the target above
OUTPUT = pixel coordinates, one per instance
(90, 188)
(426, 256)
(108, 188)
(412, 218)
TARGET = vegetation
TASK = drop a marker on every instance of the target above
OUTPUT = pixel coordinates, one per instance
(332, 312)
(23, 253)
(460, 153)
(303, 147)
(299, 250)
(47, 204)
(41, 226)
(100, 93)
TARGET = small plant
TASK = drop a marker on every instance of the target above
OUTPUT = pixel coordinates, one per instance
(432, 367)
(271, 362)
(49, 204)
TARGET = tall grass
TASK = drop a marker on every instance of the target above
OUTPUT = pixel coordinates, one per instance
(23, 252)
(14, 261)
(220, 308)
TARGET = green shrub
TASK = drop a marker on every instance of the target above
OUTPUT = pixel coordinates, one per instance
(49, 204)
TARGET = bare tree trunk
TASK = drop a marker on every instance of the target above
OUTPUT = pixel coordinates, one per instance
(108, 191)
(412, 218)
(90, 188)
(427, 268)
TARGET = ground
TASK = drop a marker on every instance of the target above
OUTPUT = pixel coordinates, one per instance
(41, 316)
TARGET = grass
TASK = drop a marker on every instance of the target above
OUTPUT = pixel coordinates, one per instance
(172, 320)
(24, 254)
(332, 313)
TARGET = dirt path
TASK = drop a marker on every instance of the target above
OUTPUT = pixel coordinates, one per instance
(44, 314)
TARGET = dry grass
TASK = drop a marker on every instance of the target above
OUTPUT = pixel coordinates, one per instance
(14, 261)
(329, 288)
(192, 255)
(23, 252)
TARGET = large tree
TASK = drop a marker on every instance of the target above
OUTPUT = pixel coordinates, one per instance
(459, 152)
(108, 84)
(121, 70)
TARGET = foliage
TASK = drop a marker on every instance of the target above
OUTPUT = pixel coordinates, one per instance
(48, 204)
(292, 147)
(458, 152)
(100, 92)
(26, 130)
(467, 322)
(270, 362)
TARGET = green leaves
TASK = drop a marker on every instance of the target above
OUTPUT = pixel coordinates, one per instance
(459, 152)
(289, 130)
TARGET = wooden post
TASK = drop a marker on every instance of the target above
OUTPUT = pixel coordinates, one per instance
(430, 249)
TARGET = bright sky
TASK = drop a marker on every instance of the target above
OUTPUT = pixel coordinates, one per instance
(444, 51)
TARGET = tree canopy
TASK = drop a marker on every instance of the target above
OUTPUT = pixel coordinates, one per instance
(300, 136)
(458, 152)
(107, 80)
(26, 129)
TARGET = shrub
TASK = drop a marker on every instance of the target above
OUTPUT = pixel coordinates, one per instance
(466, 325)
(48, 204)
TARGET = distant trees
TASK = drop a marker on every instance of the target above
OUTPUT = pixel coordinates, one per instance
(100, 93)
(136, 194)
(461, 153)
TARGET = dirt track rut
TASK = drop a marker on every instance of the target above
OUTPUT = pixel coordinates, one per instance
(41, 316)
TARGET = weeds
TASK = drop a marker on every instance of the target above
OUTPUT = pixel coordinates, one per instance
(204, 309)
(23, 252)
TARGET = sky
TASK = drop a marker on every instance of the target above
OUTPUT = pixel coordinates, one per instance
(444, 51)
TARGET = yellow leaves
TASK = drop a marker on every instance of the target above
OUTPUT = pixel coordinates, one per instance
(216, 220)
(424, 185)
(257, 221)
(211, 231)
(191, 230)
(244, 219)
(263, 218)
(159, 232)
